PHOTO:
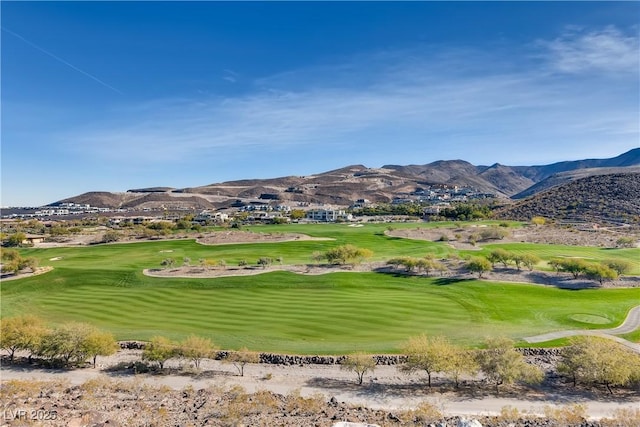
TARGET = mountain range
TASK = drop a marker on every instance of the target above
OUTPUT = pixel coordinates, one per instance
(346, 185)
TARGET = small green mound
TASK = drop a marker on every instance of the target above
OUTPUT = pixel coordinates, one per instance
(592, 319)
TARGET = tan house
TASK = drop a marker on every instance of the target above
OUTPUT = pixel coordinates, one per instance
(32, 239)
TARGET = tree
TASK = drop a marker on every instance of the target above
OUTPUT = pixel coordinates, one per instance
(459, 361)
(502, 364)
(21, 333)
(297, 214)
(159, 350)
(500, 256)
(427, 354)
(15, 239)
(479, 265)
(240, 358)
(619, 266)
(13, 262)
(599, 360)
(574, 266)
(99, 343)
(66, 343)
(196, 348)
(529, 260)
(600, 272)
(429, 264)
(347, 254)
(359, 363)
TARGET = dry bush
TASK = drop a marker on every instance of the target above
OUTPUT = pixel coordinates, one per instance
(236, 406)
(298, 405)
(265, 402)
(423, 414)
(567, 415)
(509, 414)
(625, 417)
(98, 387)
(30, 388)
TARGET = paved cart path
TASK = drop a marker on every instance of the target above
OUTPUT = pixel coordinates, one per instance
(630, 324)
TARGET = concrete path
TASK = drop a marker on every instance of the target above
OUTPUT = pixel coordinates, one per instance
(630, 324)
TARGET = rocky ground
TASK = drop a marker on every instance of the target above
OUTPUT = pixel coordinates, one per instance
(301, 394)
(586, 235)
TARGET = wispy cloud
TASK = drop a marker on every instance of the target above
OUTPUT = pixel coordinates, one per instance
(390, 103)
(607, 49)
(230, 76)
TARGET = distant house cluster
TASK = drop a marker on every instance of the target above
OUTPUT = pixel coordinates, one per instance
(444, 193)
(328, 215)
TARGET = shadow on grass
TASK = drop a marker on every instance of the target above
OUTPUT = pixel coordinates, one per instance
(443, 281)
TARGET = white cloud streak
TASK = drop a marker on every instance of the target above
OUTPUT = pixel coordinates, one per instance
(414, 98)
(62, 61)
(604, 50)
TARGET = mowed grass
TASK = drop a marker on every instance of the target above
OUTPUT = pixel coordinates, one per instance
(286, 312)
(334, 313)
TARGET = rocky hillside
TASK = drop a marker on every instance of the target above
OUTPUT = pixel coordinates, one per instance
(611, 198)
(566, 177)
(346, 185)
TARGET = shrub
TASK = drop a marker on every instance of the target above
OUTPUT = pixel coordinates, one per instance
(347, 254)
(625, 242)
(568, 415)
(424, 413)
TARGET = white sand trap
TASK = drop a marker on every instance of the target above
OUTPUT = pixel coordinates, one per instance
(356, 225)
(58, 258)
(166, 251)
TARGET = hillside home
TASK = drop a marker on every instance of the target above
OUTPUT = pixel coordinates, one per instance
(328, 215)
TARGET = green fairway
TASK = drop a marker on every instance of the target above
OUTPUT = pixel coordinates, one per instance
(287, 312)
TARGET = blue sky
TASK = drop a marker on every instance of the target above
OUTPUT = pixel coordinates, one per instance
(118, 95)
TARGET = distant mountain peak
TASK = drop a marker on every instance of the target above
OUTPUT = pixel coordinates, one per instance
(345, 185)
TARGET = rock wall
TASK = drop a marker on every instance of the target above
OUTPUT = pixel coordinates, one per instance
(537, 355)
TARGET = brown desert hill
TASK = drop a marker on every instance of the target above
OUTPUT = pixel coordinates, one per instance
(102, 199)
(452, 172)
(151, 200)
(506, 178)
(346, 185)
(539, 173)
(169, 201)
(612, 198)
(565, 177)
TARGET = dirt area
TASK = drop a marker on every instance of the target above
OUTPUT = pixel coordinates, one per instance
(112, 391)
(39, 270)
(235, 237)
(458, 237)
(227, 237)
(456, 272)
(310, 269)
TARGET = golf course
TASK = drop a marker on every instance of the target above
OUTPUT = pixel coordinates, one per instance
(287, 312)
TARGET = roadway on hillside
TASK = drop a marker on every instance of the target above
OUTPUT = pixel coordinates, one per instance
(630, 324)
